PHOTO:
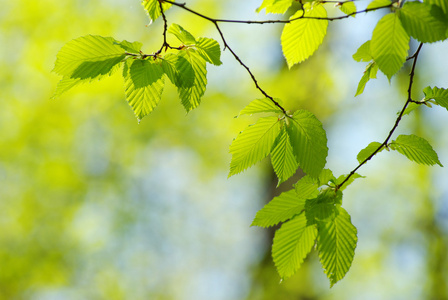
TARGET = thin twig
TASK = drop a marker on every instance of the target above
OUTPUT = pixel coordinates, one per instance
(397, 121)
(183, 5)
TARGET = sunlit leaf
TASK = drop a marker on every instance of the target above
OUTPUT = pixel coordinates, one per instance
(64, 85)
(279, 209)
(88, 57)
(322, 208)
(389, 44)
(325, 176)
(348, 8)
(253, 144)
(178, 70)
(369, 73)
(378, 3)
(292, 243)
(336, 244)
(182, 35)
(261, 106)
(152, 8)
(275, 6)
(144, 82)
(134, 47)
(419, 23)
(416, 149)
(309, 142)
(368, 151)
(191, 96)
(440, 95)
(209, 50)
(348, 182)
(307, 187)
(363, 53)
(301, 38)
(282, 157)
(443, 4)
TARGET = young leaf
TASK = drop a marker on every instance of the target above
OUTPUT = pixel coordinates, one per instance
(440, 95)
(348, 182)
(367, 151)
(253, 144)
(419, 23)
(325, 176)
(64, 85)
(363, 53)
(301, 38)
(307, 188)
(209, 50)
(309, 142)
(322, 208)
(369, 73)
(336, 244)
(275, 6)
(347, 8)
(282, 157)
(261, 106)
(88, 57)
(144, 82)
(279, 209)
(191, 96)
(442, 4)
(378, 3)
(389, 45)
(182, 35)
(178, 70)
(411, 107)
(152, 8)
(292, 243)
(134, 47)
(416, 149)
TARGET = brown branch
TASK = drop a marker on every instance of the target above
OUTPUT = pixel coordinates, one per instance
(397, 121)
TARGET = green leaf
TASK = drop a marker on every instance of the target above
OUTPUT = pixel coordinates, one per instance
(349, 181)
(336, 244)
(301, 38)
(440, 95)
(282, 157)
(348, 8)
(144, 82)
(89, 57)
(322, 208)
(134, 47)
(378, 3)
(279, 209)
(152, 8)
(363, 53)
(275, 6)
(261, 106)
(292, 243)
(325, 176)
(253, 144)
(411, 107)
(367, 151)
(64, 85)
(307, 188)
(191, 96)
(209, 50)
(178, 70)
(416, 149)
(182, 35)
(309, 142)
(389, 45)
(419, 23)
(369, 73)
(443, 4)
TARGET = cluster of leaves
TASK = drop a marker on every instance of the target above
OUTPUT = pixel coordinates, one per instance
(311, 212)
(94, 57)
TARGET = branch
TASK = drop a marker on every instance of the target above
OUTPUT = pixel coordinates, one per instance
(183, 5)
(397, 121)
(226, 45)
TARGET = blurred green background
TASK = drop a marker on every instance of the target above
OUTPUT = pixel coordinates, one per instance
(94, 205)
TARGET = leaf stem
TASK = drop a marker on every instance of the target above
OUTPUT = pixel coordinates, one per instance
(414, 57)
